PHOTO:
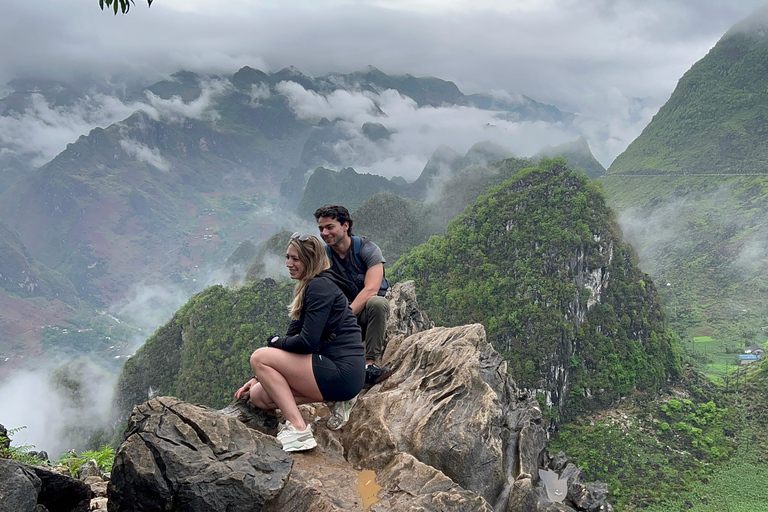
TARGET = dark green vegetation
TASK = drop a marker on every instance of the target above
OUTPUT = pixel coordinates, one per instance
(104, 456)
(19, 453)
(702, 448)
(201, 354)
(123, 5)
(528, 260)
(654, 452)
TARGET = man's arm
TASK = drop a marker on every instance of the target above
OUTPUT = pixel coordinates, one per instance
(373, 278)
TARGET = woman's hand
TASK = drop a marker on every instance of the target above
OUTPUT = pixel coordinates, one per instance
(246, 388)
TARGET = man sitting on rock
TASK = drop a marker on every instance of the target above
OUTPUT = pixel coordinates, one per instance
(361, 263)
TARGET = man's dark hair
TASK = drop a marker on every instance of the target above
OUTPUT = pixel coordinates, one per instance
(335, 212)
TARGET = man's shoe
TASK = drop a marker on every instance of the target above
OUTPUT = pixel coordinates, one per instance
(295, 440)
(374, 374)
(340, 413)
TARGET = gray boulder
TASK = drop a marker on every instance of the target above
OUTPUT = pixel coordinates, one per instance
(19, 487)
(178, 456)
(28, 488)
(62, 493)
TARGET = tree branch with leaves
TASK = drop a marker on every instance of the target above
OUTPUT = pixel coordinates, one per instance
(122, 5)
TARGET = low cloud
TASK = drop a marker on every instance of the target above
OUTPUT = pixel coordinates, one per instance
(259, 92)
(63, 417)
(202, 108)
(147, 307)
(145, 154)
(44, 130)
(416, 131)
(753, 254)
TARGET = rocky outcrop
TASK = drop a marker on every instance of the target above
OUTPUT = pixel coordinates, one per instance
(19, 487)
(26, 488)
(405, 317)
(448, 431)
(178, 456)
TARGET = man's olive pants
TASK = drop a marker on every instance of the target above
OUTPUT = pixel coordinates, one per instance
(373, 322)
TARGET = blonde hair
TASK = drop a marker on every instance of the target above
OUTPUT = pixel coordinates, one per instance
(314, 258)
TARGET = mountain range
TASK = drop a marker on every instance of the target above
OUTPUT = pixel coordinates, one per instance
(605, 291)
(202, 163)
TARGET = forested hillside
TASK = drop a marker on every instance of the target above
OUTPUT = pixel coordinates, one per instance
(715, 120)
(540, 262)
(691, 194)
(201, 354)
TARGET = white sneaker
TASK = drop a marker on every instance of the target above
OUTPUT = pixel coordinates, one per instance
(295, 440)
(340, 413)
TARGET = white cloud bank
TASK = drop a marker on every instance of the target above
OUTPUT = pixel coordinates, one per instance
(416, 131)
(613, 63)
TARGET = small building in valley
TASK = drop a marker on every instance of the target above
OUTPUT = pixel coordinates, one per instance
(751, 354)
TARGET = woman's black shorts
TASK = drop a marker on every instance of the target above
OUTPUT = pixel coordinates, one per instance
(340, 379)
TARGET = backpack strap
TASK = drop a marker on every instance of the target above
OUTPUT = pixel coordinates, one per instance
(356, 245)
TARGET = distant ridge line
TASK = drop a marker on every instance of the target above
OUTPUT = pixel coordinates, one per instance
(672, 174)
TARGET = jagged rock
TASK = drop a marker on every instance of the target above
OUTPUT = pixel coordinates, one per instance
(253, 417)
(99, 503)
(405, 317)
(42, 455)
(98, 485)
(88, 469)
(592, 497)
(177, 456)
(26, 488)
(19, 487)
(450, 404)
(558, 462)
(61, 493)
(429, 488)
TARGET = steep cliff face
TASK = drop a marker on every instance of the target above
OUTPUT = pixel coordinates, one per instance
(540, 262)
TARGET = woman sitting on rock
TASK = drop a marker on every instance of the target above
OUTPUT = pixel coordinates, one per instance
(321, 358)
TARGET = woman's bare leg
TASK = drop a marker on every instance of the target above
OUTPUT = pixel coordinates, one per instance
(261, 399)
(285, 379)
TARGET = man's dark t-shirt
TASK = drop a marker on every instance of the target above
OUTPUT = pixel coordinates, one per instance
(370, 255)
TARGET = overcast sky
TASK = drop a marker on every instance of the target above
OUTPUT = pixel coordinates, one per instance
(613, 62)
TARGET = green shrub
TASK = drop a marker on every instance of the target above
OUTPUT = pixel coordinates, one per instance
(19, 453)
(104, 457)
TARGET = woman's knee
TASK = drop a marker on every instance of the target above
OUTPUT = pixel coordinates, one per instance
(261, 356)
